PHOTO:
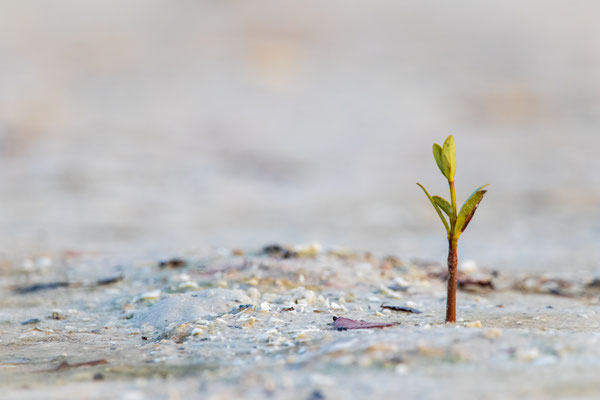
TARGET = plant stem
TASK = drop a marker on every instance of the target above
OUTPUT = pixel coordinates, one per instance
(453, 198)
(452, 280)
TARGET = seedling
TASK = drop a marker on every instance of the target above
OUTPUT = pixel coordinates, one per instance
(457, 221)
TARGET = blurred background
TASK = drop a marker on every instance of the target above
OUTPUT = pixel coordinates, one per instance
(169, 126)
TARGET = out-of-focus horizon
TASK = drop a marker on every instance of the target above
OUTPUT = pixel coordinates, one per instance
(158, 126)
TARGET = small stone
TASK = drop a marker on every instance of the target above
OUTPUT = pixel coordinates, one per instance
(253, 293)
(98, 377)
(189, 285)
(250, 323)
(43, 262)
(308, 250)
(474, 324)
(151, 295)
(401, 369)
(197, 331)
(492, 333)
(527, 354)
(468, 266)
(429, 351)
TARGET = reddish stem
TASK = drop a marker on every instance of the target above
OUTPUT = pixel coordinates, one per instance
(452, 280)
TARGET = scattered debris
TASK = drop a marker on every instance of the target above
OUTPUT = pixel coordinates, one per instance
(465, 281)
(546, 285)
(175, 262)
(286, 309)
(56, 316)
(469, 284)
(65, 365)
(109, 281)
(240, 308)
(594, 284)
(394, 307)
(41, 286)
(398, 288)
(277, 250)
(31, 321)
(178, 334)
(342, 324)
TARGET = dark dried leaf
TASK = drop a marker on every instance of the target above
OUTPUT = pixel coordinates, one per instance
(277, 250)
(172, 263)
(398, 288)
(240, 308)
(594, 284)
(394, 307)
(342, 324)
(109, 281)
(65, 365)
(41, 286)
(31, 321)
(468, 283)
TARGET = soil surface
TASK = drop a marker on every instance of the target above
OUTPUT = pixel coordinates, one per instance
(228, 325)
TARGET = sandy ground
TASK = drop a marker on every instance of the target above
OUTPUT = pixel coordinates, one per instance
(223, 326)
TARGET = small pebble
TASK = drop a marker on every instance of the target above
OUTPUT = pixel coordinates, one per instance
(492, 333)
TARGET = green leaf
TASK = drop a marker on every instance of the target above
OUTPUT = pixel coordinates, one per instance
(468, 209)
(444, 205)
(449, 154)
(442, 164)
(436, 209)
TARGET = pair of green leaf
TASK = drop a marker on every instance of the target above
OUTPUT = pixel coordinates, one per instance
(459, 223)
(445, 157)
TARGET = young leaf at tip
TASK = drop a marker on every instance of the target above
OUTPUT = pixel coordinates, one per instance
(437, 208)
(441, 162)
(468, 209)
(449, 154)
(445, 206)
